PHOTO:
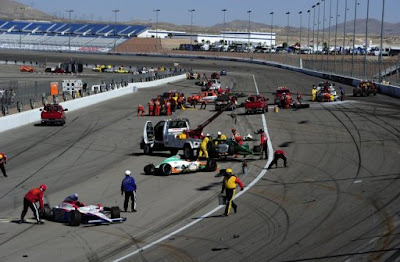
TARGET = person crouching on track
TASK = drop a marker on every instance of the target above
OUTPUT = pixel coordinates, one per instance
(203, 146)
(229, 186)
(279, 154)
(128, 186)
(33, 196)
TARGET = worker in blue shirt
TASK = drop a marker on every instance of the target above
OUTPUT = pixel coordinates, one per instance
(128, 186)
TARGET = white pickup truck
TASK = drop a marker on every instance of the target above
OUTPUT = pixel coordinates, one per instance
(163, 137)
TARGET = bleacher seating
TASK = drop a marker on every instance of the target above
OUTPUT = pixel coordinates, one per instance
(47, 33)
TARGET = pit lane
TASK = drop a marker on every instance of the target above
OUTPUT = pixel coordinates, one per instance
(337, 200)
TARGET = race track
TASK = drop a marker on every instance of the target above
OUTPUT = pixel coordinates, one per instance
(337, 201)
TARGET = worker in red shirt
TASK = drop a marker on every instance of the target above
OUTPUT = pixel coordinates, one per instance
(168, 104)
(33, 196)
(3, 161)
(287, 101)
(237, 137)
(140, 110)
(229, 186)
(151, 107)
(157, 105)
(279, 154)
(263, 143)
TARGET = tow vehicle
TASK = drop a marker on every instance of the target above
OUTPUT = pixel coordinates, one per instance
(53, 114)
(256, 103)
(176, 165)
(365, 87)
(174, 135)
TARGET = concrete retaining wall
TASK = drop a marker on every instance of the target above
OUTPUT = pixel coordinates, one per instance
(32, 116)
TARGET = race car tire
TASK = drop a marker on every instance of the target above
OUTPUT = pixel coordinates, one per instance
(165, 169)
(188, 152)
(147, 149)
(47, 212)
(75, 218)
(212, 165)
(115, 212)
(149, 169)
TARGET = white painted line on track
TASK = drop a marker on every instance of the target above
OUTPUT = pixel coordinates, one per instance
(197, 220)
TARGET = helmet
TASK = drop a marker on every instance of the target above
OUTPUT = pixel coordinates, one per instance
(208, 135)
(127, 173)
(219, 133)
(229, 170)
(43, 187)
(233, 130)
(75, 197)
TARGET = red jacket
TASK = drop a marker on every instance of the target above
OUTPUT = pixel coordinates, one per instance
(35, 195)
(280, 152)
(264, 138)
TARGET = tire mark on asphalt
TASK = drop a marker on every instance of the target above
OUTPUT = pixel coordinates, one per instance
(90, 254)
(352, 138)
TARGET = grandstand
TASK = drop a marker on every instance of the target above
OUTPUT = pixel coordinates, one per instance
(45, 35)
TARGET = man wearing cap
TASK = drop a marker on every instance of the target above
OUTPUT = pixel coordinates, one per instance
(3, 161)
(229, 186)
(34, 195)
(128, 186)
(203, 146)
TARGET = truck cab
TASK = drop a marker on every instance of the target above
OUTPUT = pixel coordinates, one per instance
(164, 136)
(256, 103)
(53, 114)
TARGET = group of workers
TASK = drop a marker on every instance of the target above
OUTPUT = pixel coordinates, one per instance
(285, 101)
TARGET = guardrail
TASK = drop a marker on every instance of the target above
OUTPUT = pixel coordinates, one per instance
(16, 120)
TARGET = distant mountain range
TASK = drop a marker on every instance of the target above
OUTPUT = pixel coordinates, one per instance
(10, 9)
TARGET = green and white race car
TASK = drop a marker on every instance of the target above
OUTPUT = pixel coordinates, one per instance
(176, 165)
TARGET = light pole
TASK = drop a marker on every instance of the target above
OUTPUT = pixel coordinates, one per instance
(191, 26)
(223, 41)
(69, 29)
(344, 34)
(156, 10)
(115, 26)
(319, 9)
(21, 9)
(337, 16)
(381, 45)
(329, 32)
(366, 42)
(308, 29)
(248, 44)
(301, 16)
(323, 36)
(354, 37)
(313, 39)
(272, 25)
(287, 31)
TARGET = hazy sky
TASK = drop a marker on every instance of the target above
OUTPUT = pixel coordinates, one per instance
(208, 12)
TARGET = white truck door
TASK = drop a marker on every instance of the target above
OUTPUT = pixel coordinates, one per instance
(148, 133)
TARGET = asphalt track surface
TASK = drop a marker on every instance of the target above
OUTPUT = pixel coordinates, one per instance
(337, 201)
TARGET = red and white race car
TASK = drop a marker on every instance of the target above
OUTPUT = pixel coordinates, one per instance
(74, 213)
